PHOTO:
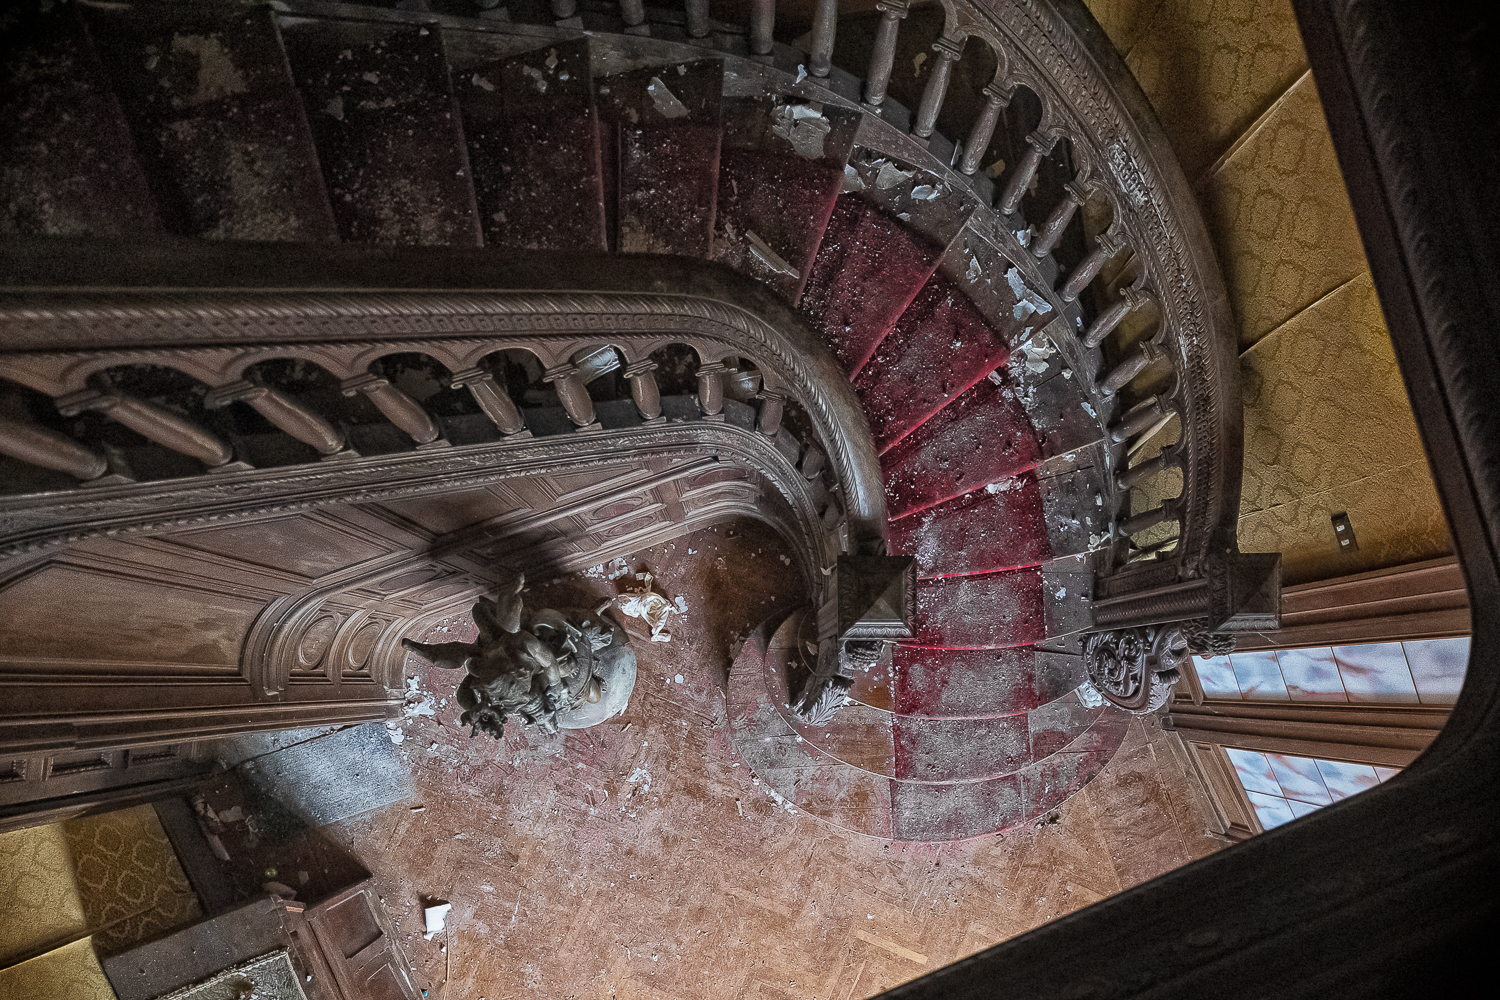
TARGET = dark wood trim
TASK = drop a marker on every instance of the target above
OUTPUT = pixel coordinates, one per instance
(19, 815)
(1423, 600)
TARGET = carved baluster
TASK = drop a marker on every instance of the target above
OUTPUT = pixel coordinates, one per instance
(1104, 324)
(825, 16)
(165, 428)
(1139, 418)
(813, 462)
(493, 400)
(697, 18)
(399, 408)
(1133, 365)
(1146, 519)
(634, 14)
(762, 23)
(996, 97)
(572, 392)
(643, 388)
(772, 408)
(1074, 195)
(711, 388)
(948, 50)
(892, 12)
(281, 410)
(1128, 478)
(46, 448)
(1038, 146)
(1088, 268)
(563, 9)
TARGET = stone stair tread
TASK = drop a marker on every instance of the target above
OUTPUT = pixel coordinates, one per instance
(218, 122)
(940, 347)
(922, 812)
(667, 126)
(68, 165)
(998, 526)
(965, 682)
(533, 137)
(387, 131)
(768, 189)
(867, 271)
(980, 438)
(946, 750)
(988, 610)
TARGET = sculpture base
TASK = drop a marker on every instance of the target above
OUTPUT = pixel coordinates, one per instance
(615, 666)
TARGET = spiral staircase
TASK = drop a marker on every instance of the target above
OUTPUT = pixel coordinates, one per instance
(1030, 317)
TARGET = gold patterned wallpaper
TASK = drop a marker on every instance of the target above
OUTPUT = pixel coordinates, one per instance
(91, 886)
(1328, 426)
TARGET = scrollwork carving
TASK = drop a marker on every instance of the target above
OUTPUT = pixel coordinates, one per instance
(1136, 668)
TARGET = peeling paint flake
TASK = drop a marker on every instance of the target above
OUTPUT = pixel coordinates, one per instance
(666, 102)
(804, 126)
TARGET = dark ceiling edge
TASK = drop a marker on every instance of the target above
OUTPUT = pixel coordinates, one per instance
(1387, 893)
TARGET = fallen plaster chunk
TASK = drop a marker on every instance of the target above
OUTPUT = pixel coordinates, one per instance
(1027, 301)
(435, 915)
(650, 607)
(852, 180)
(925, 192)
(890, 175)
(804, 126)
(667, 104)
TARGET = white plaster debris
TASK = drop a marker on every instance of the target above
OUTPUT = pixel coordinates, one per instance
(650, 607)
(666, 102)
(1023, 236)
(551, 62)
(1090, 696)
(536, 77)
(1096, 540)
(1027, 301)
(926, 192)
(995, 377)
(1061, 593)
(394, 731)
(335, 107)
(973, 273)
(1088, 409)
(483, 82)
(1003, 486)
(804, 126)
(679, 680)
(435, 916)
(801, 72)
(852, 180)
(770, 257)
(891, 175)
(1038, 355)
(371, 77)
(640, 776)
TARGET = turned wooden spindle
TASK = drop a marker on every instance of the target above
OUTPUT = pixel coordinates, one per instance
(633, 12)
(50, 450)
(996, 98)
(283, 412)
(1104, 324)
(711, 388)
(697, 18)
(572, 393)
(152, 422)
(1088, 269)
(762, 24)
(562, 9)
(892, 12)
(1037, 146)
(643, 388)
(772, 408)
(825, 17)
(494, 401)
(1128, 478)
(1074, 195)
(1135, 363)
(1139, 418)
(1146, 519)
(948, 50)
(397, 407)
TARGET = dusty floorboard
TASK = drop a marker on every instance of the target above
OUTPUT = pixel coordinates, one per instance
(640, 859)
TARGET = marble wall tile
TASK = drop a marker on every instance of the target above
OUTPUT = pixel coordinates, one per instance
(1271, 810)
(1375, 671)
(1299, 778)
(1344, 779)
(1259, 677)
(1216, 674)
(1311, 674)
(1438, 667)
(1254, 771)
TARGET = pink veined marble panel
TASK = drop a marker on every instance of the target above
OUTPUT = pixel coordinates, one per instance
(1254, 771)
(1299, 778)
(1375, 671)
(1344, 779)
(1271, 810)
(1217, 676)
(1311, 674)
(1259, 677)
(1438, 667)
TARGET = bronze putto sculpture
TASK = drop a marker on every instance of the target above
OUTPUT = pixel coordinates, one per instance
(554, 669)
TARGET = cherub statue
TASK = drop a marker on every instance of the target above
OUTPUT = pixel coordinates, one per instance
(555, 672)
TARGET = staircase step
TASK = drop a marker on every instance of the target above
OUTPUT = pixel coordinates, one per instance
(68, 165)
(996, 527)
(667, 125)
(218, 122)
(987, 611)
(981, 438)
(779, 176)
(533, 137)
(868, 269)
(387, 131)
(948, 750)
(956, 811)
(964, 682)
